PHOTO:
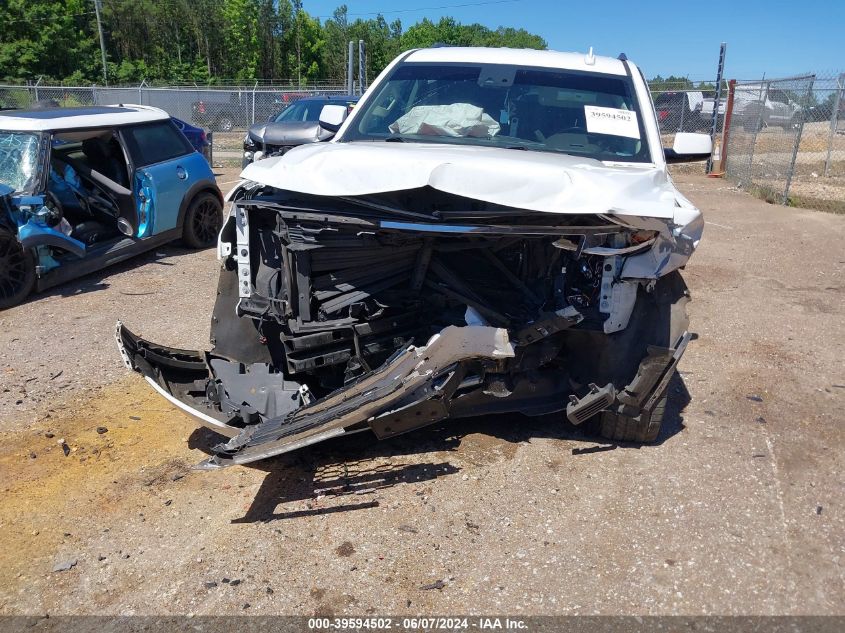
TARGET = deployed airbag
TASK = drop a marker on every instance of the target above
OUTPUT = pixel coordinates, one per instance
(456, 119)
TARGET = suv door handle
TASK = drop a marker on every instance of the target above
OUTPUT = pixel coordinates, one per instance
(181, 173)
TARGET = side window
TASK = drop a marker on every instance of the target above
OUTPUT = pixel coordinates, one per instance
(778, 96)
(314, 109)
(156, 142)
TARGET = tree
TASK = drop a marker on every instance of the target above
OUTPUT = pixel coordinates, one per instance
(240, 38)
(54, 38)
(336, 33)
(213, 40)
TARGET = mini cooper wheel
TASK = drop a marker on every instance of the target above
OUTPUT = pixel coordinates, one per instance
(17, 271)
(225, 123)
(203, 221)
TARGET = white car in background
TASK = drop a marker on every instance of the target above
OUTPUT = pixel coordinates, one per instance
(489, 231)
(758, 106)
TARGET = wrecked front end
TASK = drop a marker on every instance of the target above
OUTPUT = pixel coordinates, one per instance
(389, 312)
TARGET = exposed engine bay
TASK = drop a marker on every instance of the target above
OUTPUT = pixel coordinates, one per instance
(393, 311)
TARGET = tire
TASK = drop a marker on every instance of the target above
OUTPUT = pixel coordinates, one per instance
(17, 271)
(203, 221)
(225, 123)
(644, 428)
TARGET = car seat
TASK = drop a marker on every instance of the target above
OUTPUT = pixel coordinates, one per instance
(529, 118)
(102, 157)
(90, 232)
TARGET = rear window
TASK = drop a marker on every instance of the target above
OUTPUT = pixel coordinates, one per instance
(301, 111)
(156, 142)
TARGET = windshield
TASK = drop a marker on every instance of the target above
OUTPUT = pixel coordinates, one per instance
(300, 111)
(19, 160)
(585, 114)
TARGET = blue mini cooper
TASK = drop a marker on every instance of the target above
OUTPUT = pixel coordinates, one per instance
(83, 188)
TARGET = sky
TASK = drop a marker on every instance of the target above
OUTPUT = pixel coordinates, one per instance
(667, 37)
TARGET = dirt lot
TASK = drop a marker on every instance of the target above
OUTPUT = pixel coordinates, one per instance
(738, 508)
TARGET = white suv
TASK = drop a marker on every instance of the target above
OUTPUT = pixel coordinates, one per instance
(490, 231)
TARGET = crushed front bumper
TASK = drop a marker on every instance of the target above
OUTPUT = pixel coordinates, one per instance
(456, 374)
(411, 389)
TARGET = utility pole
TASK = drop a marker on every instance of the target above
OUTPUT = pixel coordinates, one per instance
(102, 41)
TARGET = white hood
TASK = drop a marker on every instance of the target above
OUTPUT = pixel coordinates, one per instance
(535, 181)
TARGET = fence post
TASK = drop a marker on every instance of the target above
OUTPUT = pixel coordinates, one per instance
(40, 77)
(791, 170)
(254, 88)
(714, 119)
(834, 121)
(361, 67)
(684, 106)
(349, 67)
(762, 99)
(726, 124)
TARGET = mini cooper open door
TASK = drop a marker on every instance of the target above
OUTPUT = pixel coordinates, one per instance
(161, 158)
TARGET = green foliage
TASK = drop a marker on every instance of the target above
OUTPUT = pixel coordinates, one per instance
(48, 37)
(659, 84)
(212, 41)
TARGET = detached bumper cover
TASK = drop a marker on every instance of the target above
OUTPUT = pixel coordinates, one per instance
(416, 387)
(410, 390)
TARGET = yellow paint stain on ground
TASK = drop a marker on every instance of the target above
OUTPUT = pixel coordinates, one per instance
(42, 495)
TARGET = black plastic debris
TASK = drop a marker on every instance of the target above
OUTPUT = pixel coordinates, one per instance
(437, 584)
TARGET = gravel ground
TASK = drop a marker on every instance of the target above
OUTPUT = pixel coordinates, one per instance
(737, 509)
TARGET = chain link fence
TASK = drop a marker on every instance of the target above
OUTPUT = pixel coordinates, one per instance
(781, 139)
(227, 108)
(227, 111)
(682, 109)
(786, 140)
(222, 109)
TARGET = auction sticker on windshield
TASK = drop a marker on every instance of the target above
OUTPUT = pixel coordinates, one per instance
(611, 121)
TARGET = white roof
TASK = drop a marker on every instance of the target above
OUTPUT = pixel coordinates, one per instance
(518, 57)
(51, 119)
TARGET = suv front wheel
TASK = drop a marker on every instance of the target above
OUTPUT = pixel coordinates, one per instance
(203, 221)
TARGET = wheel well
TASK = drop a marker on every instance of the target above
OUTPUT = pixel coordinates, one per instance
(188, 200)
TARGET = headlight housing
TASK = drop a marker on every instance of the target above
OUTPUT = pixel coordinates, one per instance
(249, 143)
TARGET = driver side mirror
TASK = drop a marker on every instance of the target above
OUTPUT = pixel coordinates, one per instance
(332, 117)
(689, 147)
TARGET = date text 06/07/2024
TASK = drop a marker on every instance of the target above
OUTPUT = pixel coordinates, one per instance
(418, 623)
